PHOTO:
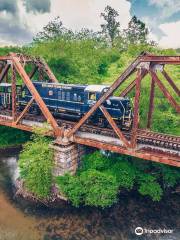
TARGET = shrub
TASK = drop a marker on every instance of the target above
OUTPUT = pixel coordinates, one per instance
(148, 186)
(91, 188)
(35, 163)
(101, 178)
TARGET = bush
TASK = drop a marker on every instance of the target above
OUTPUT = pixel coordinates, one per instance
(92, 188)
(11, 137)
(149, 187)
(101, 178)
(125, 174)
(35, 163)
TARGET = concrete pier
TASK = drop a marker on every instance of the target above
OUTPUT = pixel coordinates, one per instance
(67, 158)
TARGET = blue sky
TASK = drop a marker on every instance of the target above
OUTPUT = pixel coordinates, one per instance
(156, 13)
(22, 19)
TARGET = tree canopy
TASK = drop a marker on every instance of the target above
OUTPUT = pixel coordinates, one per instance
(111, 26)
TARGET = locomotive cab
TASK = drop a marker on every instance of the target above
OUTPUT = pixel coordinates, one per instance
(94, 92)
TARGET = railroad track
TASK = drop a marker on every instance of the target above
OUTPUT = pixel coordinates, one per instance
(143, 136)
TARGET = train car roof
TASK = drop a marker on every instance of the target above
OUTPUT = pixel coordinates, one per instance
(61, 85)
(5, 84)
(114, 98)
(96, 88)
(89, 88)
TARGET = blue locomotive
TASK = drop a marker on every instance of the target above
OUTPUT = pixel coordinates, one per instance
(71, 102)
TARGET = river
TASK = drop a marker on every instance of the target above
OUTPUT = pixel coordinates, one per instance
(21, 220)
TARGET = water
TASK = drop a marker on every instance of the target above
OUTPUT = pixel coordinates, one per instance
(21, 220)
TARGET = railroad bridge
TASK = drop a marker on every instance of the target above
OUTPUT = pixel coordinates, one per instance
(71, 137)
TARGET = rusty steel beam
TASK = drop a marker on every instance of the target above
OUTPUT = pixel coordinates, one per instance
(24, 111)
(23, 127)
(155, 157)
(171, 82)
(8, 123)
(136, 109)
(5, 58)
(160, 59)
(111, 90)
(38, 62)
(128, 89)
(4, 72)
(47, 114)
(132, 85)
(14, 93)
(49, 72)
(40, 74)
(114, 126)
(164, 90)
(151, 103)
(31, 74)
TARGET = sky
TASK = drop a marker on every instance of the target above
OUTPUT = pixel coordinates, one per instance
(20, 20)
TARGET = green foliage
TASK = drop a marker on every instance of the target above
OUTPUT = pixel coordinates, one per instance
(137, 32)
(12, 137)
(52, 30)
(170, 175)
(92, 188)
(77, 61)
(72, 187)
(148, 186)
(101, 178)
(95, 161)
(125, 173)
(35, 163)
(100, 188)
(111, 26)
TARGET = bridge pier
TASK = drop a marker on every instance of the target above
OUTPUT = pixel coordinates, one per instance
(67, 157)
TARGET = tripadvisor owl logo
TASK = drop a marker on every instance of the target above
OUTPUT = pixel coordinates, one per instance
(139, 231)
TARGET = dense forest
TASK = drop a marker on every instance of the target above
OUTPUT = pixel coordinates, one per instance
(97, 58)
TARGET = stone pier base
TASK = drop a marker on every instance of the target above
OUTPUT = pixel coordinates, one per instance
(67, 158)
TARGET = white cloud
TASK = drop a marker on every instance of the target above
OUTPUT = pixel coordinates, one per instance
(74, 15)
(78, 14)
(169, 7)
(172, 36)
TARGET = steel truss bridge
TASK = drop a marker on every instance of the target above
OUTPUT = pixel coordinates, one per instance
(140, 143)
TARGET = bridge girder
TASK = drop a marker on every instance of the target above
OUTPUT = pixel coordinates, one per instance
(143, 65)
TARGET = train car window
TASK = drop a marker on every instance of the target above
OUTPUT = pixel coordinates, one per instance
(9, 90)
(79, 98)
(67, 96)
(59, 95)
(108, 102)
(50, 93)
(8, 98)
(92, 96)
(63, 95)
(19, 90)
(23, 94)
(75, 97)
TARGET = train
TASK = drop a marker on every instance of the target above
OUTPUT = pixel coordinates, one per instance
(70, 102)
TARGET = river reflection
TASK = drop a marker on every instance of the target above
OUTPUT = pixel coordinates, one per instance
(20, 220)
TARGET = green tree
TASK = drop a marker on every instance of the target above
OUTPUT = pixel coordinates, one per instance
(111, 27)
(137, 32)
(54, 29)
